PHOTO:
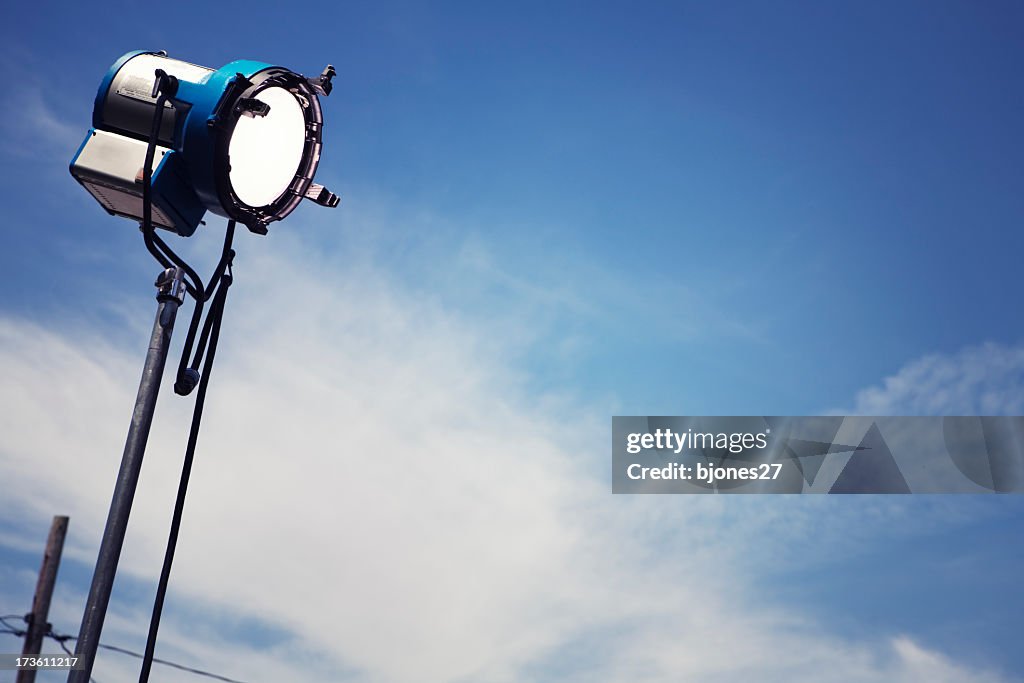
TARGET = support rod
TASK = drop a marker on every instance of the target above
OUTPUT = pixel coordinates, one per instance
(171, 294)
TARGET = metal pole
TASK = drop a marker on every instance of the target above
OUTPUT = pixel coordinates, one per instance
(171, 294)
(37, 626)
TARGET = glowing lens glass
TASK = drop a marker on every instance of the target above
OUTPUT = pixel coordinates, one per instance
(265, 151)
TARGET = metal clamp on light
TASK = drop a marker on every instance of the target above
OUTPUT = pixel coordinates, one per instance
(242, 141)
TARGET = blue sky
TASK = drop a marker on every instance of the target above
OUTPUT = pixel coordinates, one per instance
(550, 215)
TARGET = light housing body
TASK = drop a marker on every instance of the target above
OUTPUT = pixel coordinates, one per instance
(242, 141)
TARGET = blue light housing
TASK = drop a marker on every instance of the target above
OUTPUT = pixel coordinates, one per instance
(242, 141)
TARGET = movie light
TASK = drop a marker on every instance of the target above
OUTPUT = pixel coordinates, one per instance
(170, 141)
(242, 141)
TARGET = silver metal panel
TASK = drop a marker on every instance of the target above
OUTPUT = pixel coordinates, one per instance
(110, 167)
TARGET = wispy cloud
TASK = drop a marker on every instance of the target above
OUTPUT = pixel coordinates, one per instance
(375, 481)
(34, 128)
(979, 380)
(569, 296)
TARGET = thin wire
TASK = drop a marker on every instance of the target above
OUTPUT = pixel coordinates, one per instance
(4, 619)
(60, 638)
(20, 634)
(198, 672)
(173, 665)
(72, 654)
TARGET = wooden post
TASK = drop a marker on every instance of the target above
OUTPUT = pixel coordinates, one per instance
(37, 626)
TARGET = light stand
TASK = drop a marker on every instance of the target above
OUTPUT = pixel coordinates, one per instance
(170, 141)
(170, 295)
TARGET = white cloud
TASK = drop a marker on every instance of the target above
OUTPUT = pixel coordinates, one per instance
(915, 663)
(374, 482)
(980, 380)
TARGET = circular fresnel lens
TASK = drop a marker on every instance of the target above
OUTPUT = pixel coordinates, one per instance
(265, 151)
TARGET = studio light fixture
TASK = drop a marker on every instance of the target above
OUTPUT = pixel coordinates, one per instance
(169, 142)
(242, 141)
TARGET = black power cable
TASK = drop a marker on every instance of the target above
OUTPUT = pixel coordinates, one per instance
(211, 330)
(164, 88)
(188, 374)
